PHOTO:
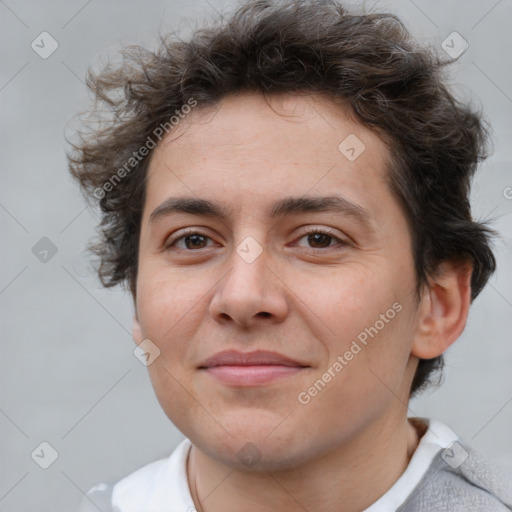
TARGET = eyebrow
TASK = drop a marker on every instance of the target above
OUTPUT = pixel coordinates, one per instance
(281, 208)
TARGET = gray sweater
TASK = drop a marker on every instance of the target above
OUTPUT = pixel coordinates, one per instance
(452, 484)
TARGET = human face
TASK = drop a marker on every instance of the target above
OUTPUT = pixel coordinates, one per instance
(306, 297)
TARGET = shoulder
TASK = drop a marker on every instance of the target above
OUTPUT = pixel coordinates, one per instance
(137, 486)
(147, 485)
(98, 497)
(134, 489)
(460, 479)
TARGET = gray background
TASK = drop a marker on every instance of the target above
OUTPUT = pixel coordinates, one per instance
(69, 376)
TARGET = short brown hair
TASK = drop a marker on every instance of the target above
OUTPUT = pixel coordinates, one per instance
(368, 61)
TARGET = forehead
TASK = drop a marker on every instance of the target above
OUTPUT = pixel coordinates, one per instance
(251, 149)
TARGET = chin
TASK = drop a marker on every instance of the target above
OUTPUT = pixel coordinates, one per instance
(255, 446)
(260, 457)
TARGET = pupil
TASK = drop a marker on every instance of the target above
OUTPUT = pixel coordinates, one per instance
(195, 239)
(319, 238)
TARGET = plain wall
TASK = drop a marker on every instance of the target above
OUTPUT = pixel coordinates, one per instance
(68, 373)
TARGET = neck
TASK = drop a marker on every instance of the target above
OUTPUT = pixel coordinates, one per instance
(339, 480)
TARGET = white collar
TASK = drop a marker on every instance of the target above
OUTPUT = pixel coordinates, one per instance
(162, 486)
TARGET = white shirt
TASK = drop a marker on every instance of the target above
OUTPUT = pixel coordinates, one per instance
(162, 486)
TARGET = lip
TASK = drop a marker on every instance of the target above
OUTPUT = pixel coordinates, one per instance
(250, 368)
(255, 358)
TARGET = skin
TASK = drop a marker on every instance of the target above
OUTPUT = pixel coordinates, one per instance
(303, 298)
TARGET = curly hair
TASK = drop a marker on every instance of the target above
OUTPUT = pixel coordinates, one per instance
(368, 61)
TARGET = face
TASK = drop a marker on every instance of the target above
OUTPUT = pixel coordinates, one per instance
(326, 283)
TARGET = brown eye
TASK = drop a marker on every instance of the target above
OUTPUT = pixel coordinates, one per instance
(319, 240)
(195, 241)
(190, 241)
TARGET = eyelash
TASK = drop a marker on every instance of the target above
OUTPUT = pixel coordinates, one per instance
(309, 231)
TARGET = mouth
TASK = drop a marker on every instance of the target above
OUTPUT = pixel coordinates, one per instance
(250, 368)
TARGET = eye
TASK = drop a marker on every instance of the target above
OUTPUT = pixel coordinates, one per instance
(321, 239)
(189, 241)
(317, 239)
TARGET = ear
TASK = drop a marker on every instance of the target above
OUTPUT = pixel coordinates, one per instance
(137, 330)
(443, 310)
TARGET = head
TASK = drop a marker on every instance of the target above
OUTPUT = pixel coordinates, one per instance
(246, 127)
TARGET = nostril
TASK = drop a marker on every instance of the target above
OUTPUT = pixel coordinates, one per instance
(264, 313)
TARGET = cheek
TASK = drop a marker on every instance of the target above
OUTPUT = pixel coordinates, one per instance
(385, 350)
(350, 298)
(368, 313)
(168, 310)
(165, 302)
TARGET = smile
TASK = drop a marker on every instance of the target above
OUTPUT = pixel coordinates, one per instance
(251, 368)
(251, 375)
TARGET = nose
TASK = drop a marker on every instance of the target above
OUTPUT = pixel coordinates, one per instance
(250, 293)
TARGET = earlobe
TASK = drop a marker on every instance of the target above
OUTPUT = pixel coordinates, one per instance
(137, 330)
(443, 310)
